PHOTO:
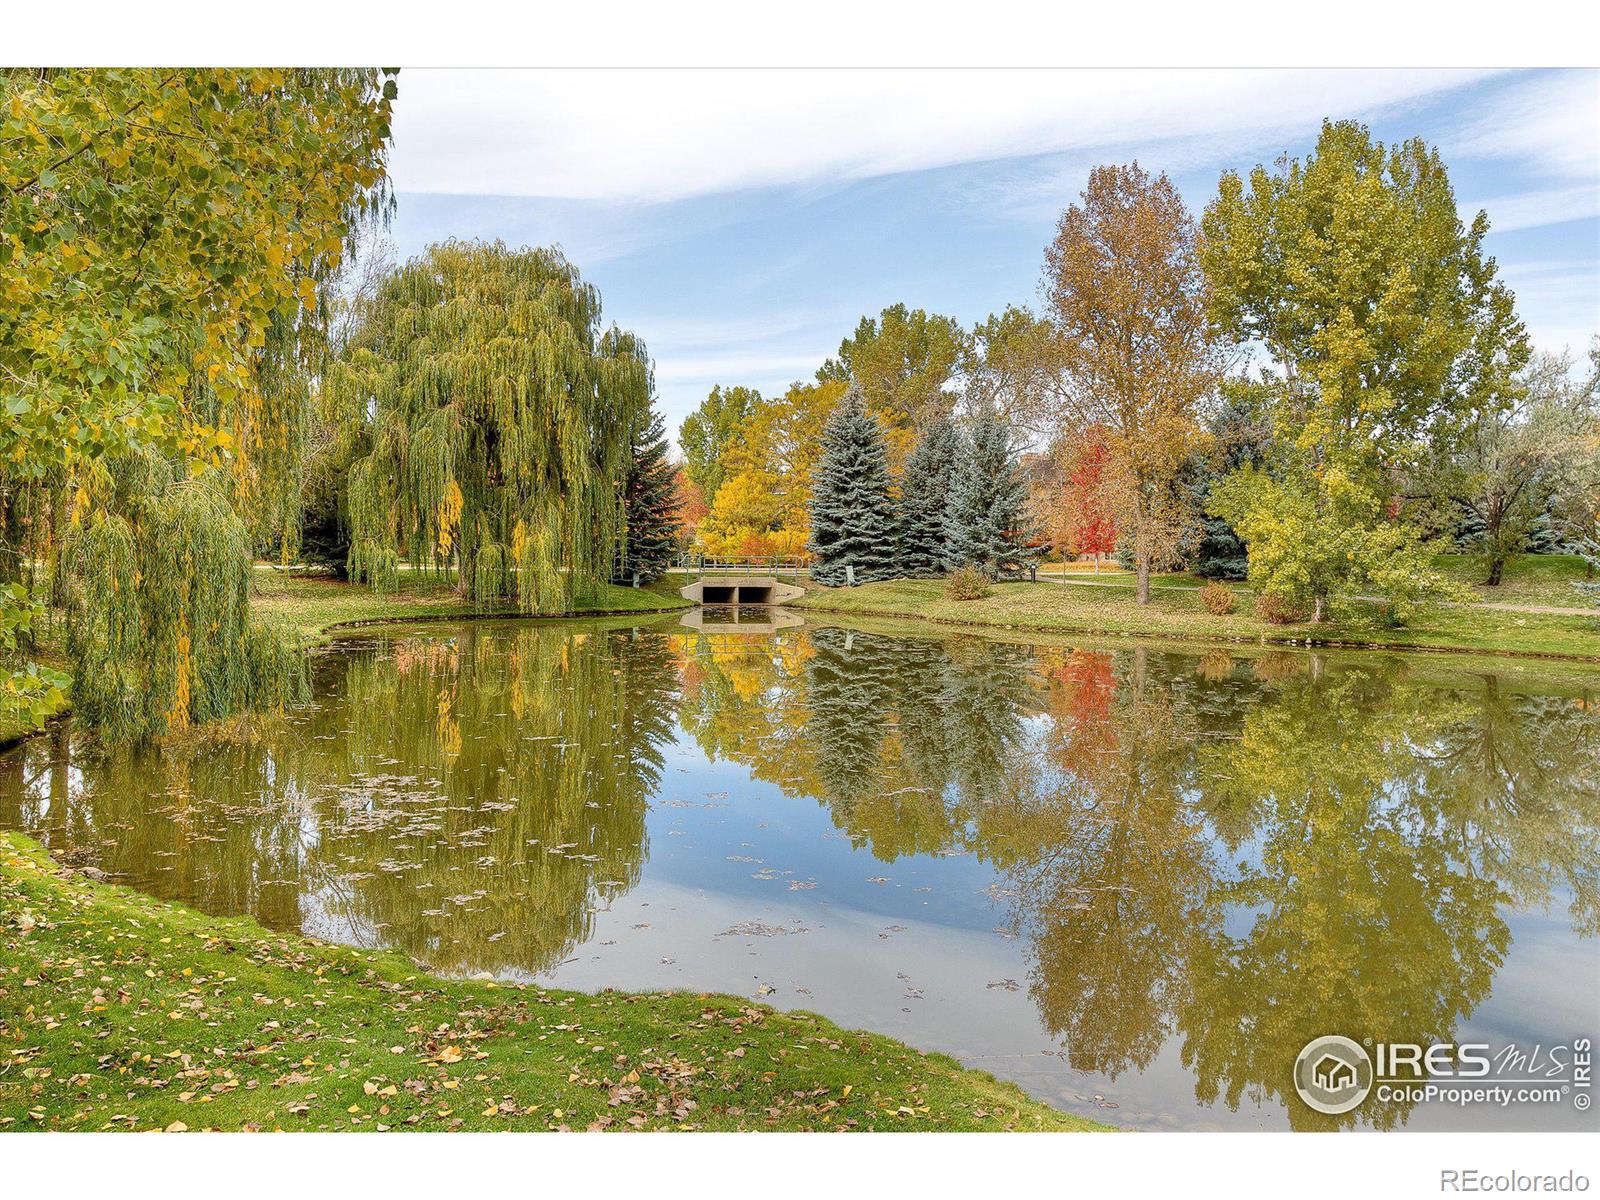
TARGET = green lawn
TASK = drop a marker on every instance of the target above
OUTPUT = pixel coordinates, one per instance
(1177, 613)
(121, 1012)
(1529, 579)
(309, 607)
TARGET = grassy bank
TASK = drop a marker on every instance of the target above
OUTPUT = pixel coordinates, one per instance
(1176, 612)
(309, 609)
(120, 1012)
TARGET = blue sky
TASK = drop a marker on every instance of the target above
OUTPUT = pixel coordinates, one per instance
(742, 222)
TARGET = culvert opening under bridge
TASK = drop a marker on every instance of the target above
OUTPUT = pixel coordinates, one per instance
(715, 593)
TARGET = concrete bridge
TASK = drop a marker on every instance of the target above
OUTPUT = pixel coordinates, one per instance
(742, 580)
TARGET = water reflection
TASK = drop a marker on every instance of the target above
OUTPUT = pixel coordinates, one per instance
(1218, 855)
(469, 799)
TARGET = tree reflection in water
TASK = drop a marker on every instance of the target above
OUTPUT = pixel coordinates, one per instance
(1245, 853)
(1229, 853)
(468, 799)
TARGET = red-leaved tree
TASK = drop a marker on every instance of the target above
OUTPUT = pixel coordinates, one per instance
(1090, 520)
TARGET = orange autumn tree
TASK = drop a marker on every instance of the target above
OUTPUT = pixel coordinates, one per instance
(691, 505)
(1137, 351)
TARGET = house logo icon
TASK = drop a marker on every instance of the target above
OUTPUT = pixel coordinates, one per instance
(1333, 1074)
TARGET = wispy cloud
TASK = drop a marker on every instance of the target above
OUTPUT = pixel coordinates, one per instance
(664, 135)
(1537, 208)
(748, 369)
(1549, 121)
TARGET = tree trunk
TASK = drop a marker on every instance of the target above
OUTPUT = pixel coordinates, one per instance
(1142, 591)
(1317, 612)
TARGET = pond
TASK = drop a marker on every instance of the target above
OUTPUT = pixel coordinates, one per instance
(1132, 878)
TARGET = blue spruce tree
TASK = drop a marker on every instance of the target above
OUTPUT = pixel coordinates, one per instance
(924, 492)
(852, 515)
(984, 519)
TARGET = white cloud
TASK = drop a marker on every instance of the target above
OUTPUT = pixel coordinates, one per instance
(666, 135)
(1533, 209)
(1551, 121)
(748, 369)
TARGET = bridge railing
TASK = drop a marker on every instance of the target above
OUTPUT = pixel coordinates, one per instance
(774, 564)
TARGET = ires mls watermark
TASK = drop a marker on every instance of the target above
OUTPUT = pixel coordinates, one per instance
(1333, 1074)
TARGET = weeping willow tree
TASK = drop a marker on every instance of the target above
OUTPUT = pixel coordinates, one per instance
(157, 594)
(497, 414)
(170, 243)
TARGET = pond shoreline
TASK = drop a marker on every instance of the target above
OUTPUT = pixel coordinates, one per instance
(314, 1035)
(292, 604)
(917, 608)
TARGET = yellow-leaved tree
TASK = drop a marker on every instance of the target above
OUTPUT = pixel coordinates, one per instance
(762, 507)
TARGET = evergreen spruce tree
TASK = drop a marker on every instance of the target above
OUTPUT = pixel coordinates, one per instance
(924, 492)
(1545, 537)
(852, 515)
(985, 512)
(650, 507)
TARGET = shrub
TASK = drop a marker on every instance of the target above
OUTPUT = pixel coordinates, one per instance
(967, 583)
(1217, 598)
(1278, 610)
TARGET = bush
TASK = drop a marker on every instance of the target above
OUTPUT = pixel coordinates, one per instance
(1217, 599)
(1278, 610)
(967, 583)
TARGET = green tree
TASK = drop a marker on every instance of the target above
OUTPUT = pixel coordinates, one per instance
(708, 431)
(498, 416)
(852, 514)
(1386, 327)
(649, 506)
(924, 495)
(1014, 362)
(1517, 457)
(1238, 438)
(904, 362)
(985, 513)
(167, 243)
(763, 505)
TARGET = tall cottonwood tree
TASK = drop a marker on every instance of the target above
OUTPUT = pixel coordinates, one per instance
(904, 362)
(769, 464)
(1387, 330)
(1014, 363)
(498, 414)
(710, 429)
(1136, 350)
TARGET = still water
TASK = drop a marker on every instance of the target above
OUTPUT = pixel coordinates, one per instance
(1132, 879)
